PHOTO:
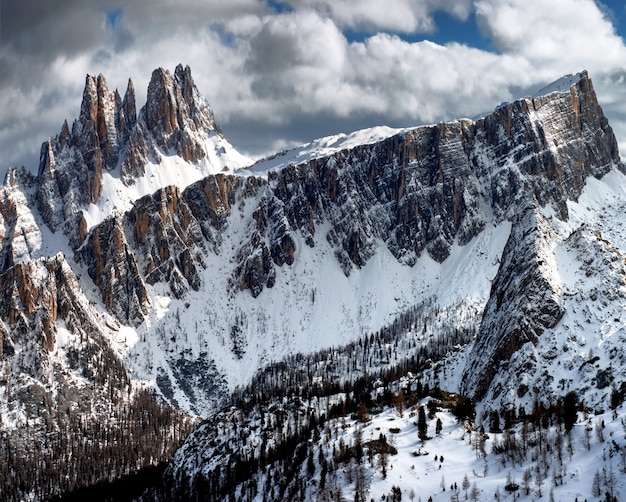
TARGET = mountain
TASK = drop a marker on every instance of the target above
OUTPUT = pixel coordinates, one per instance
(149, 265)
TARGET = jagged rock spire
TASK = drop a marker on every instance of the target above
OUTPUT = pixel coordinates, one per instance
(175, 110)
(111, 135)
(96, 140)
(129, 105)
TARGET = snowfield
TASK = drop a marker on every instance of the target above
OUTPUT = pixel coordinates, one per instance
(446, 458)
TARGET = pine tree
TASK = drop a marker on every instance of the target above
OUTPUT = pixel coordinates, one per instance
(438, 426)
(570, 410)
(422, 426)
(497, 495)
(310, 463)
(527, 476)
(383, 457)
(465, 485)
(474, 493)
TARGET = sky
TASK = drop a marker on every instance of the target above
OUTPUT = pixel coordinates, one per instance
(281, 73)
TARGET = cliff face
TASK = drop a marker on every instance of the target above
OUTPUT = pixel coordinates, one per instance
(71, 165)
(55, 349)
(525, 300)
(415, 192)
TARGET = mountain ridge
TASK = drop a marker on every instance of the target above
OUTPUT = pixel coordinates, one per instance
(194, 286)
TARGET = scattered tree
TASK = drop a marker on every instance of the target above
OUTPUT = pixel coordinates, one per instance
(570, 410)
(438, 426)
(526, 478)
(474, 493)
(465, 485)
(422, 426)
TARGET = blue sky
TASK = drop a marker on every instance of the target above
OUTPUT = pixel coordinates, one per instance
(282, 73)
(448, 29)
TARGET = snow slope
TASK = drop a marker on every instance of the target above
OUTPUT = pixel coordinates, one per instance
(116, 196)
(332, 309)
(323, 147)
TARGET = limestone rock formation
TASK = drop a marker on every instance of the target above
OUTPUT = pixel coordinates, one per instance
(20, 236)
(418, 191)
(524, 301)
(110, 136)
(38, 299)
(98, 138)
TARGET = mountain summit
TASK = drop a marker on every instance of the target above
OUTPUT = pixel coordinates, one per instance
(115, 153)
(149, 255)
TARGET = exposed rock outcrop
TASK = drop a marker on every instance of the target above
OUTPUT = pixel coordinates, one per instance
(524, 301)
(20, 236)
(35, 296)
(98, 138)
(112, 266)
(175, 119)
(110, 136)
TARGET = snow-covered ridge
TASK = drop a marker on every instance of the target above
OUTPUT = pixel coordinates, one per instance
(562, 84)
(118, 197)
(326, 146)
(163, 169)
(323, 147)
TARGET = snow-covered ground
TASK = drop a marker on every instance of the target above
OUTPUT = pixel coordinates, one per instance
(323, 147)
(446, 458)
(168, 170)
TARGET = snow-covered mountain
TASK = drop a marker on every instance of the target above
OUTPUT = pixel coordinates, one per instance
(148, 254)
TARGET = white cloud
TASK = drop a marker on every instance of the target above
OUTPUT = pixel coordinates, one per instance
(279, 71)
(561, 36)
(402, 16)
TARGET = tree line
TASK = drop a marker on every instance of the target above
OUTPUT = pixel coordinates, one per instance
(82, 451)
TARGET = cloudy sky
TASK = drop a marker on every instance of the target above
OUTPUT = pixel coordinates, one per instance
(282, 73)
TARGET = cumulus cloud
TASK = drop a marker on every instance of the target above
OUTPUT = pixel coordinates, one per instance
(402, 16)
(562, 35)
(293, 56)
(279, 75)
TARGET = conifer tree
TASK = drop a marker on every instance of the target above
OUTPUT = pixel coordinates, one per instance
(422, 426)
(465, 485)
(570, 410)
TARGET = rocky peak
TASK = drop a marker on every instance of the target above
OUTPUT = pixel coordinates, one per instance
(94, 144)
(175, 112)
(129, 106)
(89, 104)
(568, 140)
(418, 191)
(111, 135)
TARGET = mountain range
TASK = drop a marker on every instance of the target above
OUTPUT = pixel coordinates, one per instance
(149, 268)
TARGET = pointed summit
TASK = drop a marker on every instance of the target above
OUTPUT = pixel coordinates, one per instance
(175, 112)
(89, 105)
(129, 105)
(93, 146)
(112, 136)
